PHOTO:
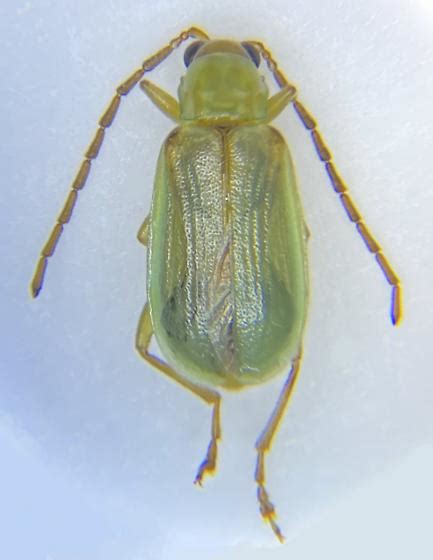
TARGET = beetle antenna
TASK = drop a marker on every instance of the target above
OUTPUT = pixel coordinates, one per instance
(340, 188)
(92, 152)
(352, 212)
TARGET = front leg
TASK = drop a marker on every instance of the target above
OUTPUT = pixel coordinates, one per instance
(162, 99)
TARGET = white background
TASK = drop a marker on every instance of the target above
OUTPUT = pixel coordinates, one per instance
(98, 452)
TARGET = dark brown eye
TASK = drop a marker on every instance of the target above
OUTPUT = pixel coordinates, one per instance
(253, 53)
(190, 52)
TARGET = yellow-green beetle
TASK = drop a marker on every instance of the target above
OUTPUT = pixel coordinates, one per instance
(227, 280)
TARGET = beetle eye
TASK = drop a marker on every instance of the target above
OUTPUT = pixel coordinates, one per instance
(190, 52)
(253, 53)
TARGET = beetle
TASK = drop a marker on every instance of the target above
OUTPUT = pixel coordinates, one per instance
(227, 280)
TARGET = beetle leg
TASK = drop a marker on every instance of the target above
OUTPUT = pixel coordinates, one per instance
(278, 102)
(264, 442)
(92, 152)
(144, 335)
(163, 100)
(143, 232)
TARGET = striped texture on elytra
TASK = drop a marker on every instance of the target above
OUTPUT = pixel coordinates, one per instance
(227, 264)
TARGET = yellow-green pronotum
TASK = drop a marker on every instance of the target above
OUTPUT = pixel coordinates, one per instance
(227, 282)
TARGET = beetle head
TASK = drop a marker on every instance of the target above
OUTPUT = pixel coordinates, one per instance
(222, 84)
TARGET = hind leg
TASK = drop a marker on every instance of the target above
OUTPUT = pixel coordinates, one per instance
(263, 445)
(144, 335)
